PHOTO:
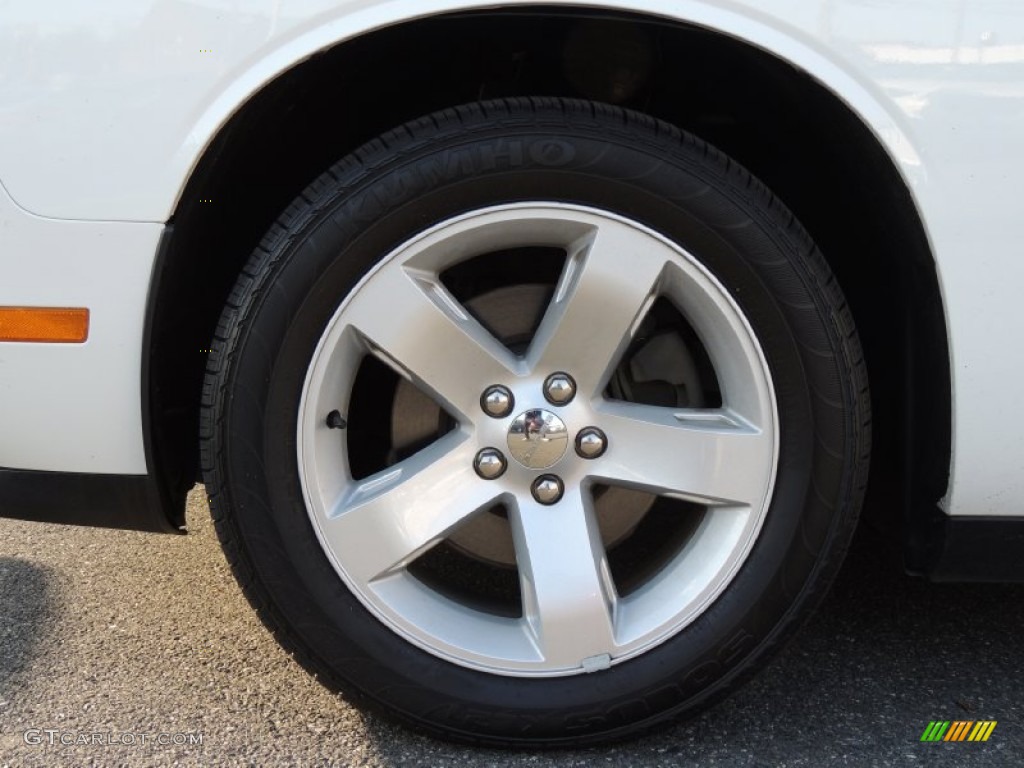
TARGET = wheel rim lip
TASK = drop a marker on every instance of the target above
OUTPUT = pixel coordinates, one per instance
(376, 602)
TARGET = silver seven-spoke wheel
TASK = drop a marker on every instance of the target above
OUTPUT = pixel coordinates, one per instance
(535, 422)
(573, 618)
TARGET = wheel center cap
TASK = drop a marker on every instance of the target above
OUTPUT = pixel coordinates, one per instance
(537, 438)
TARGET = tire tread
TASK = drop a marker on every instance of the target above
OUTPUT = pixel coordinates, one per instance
(257, 277)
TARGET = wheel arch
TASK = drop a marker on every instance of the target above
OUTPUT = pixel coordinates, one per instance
(764, 33)
(248, 155)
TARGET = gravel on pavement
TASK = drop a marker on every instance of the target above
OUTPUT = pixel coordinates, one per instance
(128, 635)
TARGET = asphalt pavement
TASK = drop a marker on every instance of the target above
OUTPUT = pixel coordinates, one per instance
(109, 635)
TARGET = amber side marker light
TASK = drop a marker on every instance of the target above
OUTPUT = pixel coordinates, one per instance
(68, 325)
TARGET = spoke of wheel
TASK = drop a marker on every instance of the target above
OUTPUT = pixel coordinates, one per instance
(609, 282)
(568, 595)
(413, 323)
(708, 456)
(387, 520)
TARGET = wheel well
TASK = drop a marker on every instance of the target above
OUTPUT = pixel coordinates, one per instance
(798, 137)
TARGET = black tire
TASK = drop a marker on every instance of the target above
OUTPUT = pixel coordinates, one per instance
(503, 151)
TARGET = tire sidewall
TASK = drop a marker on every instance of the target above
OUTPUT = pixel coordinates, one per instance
(377, 201)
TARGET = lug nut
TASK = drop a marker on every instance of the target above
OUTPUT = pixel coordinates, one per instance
(490, 464)
(497, 401)
(559, 388)
(547, 489)
(591, 442)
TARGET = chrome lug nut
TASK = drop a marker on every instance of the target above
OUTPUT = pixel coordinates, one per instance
(497, 401)
(490, 464)
(547, 489)
(591, 442)
(559, 388)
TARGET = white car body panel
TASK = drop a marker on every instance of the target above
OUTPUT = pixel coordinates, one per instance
(105, 109)
(75, 407)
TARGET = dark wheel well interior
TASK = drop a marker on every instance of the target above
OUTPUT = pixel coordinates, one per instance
(784, 126)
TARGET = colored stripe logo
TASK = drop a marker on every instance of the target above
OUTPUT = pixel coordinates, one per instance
(958, 730)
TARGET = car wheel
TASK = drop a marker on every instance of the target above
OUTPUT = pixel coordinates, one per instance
(535, 421)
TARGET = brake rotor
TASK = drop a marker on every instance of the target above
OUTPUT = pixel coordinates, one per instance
(511, 314)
